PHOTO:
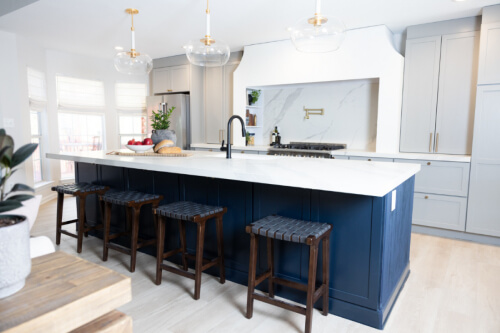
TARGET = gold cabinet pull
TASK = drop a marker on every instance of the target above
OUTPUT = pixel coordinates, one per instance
(369, 160)
(428, 163)
(242, 151)
(210, 150)
(430, 142)
(169, 90)
(426, 197)
(437, 142)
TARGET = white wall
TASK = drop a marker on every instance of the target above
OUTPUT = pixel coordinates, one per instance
(365, 53)
(350, 113)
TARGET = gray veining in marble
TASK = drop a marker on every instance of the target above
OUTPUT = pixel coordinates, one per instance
(350, 113)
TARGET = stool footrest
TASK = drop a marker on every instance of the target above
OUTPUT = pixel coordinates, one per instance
(279, 303)
(261, 278)
(119, 248)
(178, 271)
(69, 222)
(193, 257)
(143, 243)
(119, 234)
(211, 263)
(171, 253)
(67, 233)
(291, 284)
(318, 293)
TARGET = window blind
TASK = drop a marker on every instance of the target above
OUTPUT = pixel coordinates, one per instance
(79, 93)
(37, 88)
(130, 96)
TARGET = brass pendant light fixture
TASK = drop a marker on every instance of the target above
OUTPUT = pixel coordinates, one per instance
(133, 62)
(318, 33)
(207, 52)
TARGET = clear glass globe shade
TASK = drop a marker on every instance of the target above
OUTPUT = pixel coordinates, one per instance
(326, 37)
(139, 65)
(213, 55)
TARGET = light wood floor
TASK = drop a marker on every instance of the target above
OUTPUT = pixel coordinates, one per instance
(454, 286)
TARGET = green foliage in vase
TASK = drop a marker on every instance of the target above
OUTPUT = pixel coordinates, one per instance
(161, 120)
(9, 162)
(255, 94)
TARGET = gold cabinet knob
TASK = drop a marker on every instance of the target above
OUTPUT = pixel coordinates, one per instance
(210, 150)
(242, 151)
(426, 197)
(428, 163)
(369, 160)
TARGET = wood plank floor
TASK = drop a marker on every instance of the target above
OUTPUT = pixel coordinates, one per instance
(454, 286)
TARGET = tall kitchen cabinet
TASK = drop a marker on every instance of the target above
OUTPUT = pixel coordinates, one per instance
(439, 93)
(483, 211)
(218, 101)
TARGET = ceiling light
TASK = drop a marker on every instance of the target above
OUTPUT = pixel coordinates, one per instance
(207, 52)
(133, 62)
(318, 33)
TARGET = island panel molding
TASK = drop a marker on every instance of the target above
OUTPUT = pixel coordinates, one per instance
(369, 243)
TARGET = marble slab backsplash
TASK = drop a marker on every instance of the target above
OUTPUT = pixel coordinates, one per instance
(350, 115)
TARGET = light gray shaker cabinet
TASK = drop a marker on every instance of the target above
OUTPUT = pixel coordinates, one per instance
(420, 94)
(483, 214)
(489, 63)
(439, 94)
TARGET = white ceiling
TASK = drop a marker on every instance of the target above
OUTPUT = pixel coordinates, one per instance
(95, 27)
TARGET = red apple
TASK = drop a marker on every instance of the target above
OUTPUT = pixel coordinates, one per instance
(138, 143)
(131, 142)
(147, 142)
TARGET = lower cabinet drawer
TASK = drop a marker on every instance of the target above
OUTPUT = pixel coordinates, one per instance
(374, 159)
(439, 211)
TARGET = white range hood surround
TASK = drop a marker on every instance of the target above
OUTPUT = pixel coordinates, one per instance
(366, 53)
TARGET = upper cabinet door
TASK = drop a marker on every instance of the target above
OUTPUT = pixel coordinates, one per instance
(161, 80)
(489, 62)
(457, 93)
(180, 78)
(420, 94)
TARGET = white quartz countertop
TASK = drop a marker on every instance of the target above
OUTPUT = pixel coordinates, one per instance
(355, 177)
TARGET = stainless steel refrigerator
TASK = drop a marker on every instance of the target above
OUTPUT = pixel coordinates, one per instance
(179, 121)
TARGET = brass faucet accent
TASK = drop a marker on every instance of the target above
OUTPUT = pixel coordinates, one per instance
(313, 112)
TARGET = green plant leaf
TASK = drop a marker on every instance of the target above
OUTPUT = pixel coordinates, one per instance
(21, 187)
(2, 132)
(20, 197)
(6, 206)
(6, 141)
(23, 153)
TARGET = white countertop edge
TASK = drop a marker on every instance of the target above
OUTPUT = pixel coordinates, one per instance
(403, 156)
(353, 177)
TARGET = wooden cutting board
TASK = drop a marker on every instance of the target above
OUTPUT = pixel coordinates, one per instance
(148, 154)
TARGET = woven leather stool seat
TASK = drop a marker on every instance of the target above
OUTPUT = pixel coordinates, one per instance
(77, 188)
(125, 198)
(287, 229)
(187, 211)
(281, 228)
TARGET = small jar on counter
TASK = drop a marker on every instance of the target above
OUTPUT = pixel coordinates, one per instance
(251, 139)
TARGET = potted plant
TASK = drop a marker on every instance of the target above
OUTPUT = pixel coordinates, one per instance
(160, 122)
(15, 262)
(253, 97)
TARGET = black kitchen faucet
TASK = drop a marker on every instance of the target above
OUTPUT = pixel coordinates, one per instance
(227, 149)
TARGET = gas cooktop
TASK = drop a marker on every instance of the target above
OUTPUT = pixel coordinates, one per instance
(306, 149)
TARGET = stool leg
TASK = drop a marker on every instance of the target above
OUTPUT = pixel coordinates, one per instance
(326, 272)
(220, 249)
(81, 223)
(270, 265)
(311, 285)
(251, 273)
(182, 236)
(85, 233)
(160, 240)
(106, 227)
(199, 259)
(60, 204)
(135, 235)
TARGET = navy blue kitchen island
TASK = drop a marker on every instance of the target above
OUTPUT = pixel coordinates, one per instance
(370, 242)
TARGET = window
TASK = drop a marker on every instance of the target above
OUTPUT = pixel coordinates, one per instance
(81, 118)
(37, 93)
(131, 102)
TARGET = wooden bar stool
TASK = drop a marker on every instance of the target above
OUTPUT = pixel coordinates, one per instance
(81, 191)
(188, 211)
(286, 229)
(133, 201)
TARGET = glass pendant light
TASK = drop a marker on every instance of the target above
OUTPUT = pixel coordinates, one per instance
(318, 33)
(133, 62)
(207, 52)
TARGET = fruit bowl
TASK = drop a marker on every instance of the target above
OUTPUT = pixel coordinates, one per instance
(139, 148)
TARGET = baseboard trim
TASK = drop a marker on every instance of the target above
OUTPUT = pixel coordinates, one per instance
(460, 235)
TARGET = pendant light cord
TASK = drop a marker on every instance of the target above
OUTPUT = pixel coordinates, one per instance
(318, 7)
(208, 20)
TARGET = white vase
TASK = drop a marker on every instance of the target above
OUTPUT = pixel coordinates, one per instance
(15, 261)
